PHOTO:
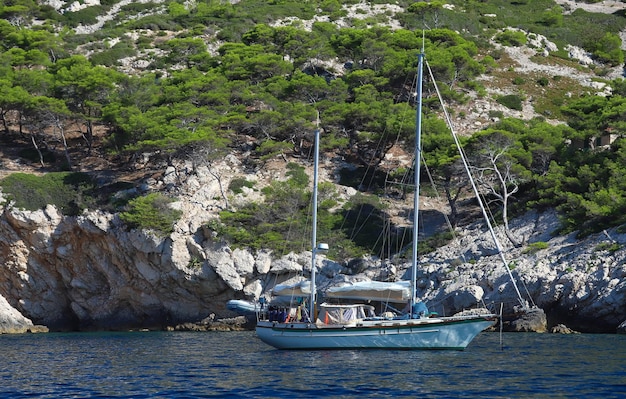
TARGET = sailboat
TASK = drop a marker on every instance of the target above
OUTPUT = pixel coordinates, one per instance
(355, 326)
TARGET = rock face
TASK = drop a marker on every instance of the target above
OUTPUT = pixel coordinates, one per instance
(578, 282)
(12, 321)
(533, 320)
(89, 272)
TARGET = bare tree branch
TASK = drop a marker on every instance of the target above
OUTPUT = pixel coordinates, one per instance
(494, 174)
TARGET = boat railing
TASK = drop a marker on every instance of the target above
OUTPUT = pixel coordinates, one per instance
(285, 315)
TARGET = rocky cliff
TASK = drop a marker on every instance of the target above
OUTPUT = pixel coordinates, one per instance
(90, 272)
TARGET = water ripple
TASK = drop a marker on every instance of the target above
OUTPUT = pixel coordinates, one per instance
(221, 365)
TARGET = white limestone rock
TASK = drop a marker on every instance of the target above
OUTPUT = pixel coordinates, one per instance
(222, 262)
(13, 322)
(287, 264)
(263, 262)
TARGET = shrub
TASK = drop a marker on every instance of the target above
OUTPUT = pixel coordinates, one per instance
(535, 247)
(112, 56)
(495, 114)
(152, 212)
(282, 221)
(511, 101)
(456, 262)
(159, 22)
(297, 175)
(271, 148)
(498, 53)
(489, 61)
(85, 16)
(512, 38)
(237, 184)
(552, 17)
(608, 49)
(435, 241)
(143, 42)
(70, 192)
(608, 246)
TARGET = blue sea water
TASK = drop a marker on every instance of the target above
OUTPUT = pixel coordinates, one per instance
(237, 364)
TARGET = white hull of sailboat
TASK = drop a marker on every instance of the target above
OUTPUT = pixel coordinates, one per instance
(431, 333)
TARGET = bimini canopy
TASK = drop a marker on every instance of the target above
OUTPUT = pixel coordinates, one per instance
(302, 288)
(343, 314)
(397, 292)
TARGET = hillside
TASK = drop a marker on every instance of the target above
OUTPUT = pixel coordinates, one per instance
(174, 141)
(530, 78)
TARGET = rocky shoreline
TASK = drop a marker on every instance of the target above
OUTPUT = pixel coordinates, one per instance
(90, 290)
(89, 273)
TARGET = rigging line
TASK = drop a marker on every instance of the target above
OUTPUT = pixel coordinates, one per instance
(385, 237)
(307, 223)
(406, 176)
(403, 121)
(501, 325)
(305, 231)
(526, 289)
(405, 182)
(356, 231)
(434, 186)
(466, 165)
(379, 238)
(385, 242)
(371, 166)
(520, 279)
(362, 183)
(293, 225)
(488, 209)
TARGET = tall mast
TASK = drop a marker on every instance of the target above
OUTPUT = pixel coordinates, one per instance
(416, 195)
(314, 230)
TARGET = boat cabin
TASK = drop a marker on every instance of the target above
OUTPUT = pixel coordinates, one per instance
(343, 314)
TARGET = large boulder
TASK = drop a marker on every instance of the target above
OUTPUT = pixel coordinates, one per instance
(562, 329)
(13, 322)
(530, 320)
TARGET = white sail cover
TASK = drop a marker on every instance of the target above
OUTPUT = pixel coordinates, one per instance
(398, 292)
(302, 288)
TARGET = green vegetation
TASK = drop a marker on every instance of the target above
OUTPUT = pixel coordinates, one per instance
(69, 192)
(512, 101)
(282, 221)
(237, 184)
(511, 38)
(219, 75)
(279, 222)
(152, 212)
(608, 246)
(580, 28)
(535, 247)
(585, 181)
